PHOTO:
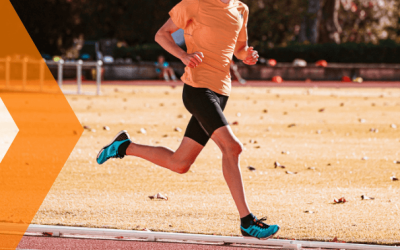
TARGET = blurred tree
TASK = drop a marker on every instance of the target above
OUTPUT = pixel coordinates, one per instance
(369, 20)
(135, 22)
(329, 23)
(310, 23)
(52, 24)
(274, 22)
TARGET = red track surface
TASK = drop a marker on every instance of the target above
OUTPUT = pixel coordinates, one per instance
(51, 243)
(322, 84)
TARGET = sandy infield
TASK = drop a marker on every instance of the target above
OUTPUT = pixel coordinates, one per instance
(330, 147)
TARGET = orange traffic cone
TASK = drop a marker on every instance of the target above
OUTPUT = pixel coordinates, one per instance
(272, 62)
(321, 63)
(277, 79)
(346, 79)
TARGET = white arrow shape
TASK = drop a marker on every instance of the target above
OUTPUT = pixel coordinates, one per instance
(8, 130)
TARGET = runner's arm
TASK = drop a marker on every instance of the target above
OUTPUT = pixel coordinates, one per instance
(241, 50)
(245, 53)
(164, 38)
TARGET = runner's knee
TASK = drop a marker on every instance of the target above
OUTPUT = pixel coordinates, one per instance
(181, 166)
(184, 167)
(233, 148)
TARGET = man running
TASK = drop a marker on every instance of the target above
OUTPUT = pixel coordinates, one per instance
(214, 31)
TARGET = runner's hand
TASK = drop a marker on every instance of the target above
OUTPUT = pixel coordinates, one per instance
(192, 60)
(252, 57)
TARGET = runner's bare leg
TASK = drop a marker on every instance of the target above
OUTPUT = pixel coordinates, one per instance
(231, 149)
(178, 161)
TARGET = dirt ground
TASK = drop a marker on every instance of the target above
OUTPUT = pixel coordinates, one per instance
(330, 147)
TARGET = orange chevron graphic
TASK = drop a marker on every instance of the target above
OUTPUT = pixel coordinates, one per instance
(48, 131)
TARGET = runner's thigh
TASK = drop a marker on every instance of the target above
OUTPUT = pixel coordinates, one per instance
(207, 108)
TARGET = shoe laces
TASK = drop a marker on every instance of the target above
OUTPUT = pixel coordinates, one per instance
(116, 155)
(260, 223)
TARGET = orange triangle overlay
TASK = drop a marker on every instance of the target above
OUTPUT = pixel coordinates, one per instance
(48, 132)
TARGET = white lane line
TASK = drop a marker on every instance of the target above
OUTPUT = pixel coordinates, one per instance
(159, 236)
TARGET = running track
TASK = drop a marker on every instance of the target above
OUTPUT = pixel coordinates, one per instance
(322, 84)
(51, 243)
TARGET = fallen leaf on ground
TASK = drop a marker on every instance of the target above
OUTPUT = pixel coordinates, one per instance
(365, 158)
(251, 168)
(334, 239)
(285, 152)
(374, 130)
(321, 110)
(106, 128)
(319, 131)
(178, 129)
(158, 196)
(252, 141)
(362, 120)
(143, 131)
(288, 172)
(396, 162)
(311, 168)
(393, 126)
(257, 146)
(265, 111)
(394, 178)
(235, 123)
(309, 212)
(341, 200)
(364, 197)
(341, 104)
(292, 125)
(87, 127)
(277, 164)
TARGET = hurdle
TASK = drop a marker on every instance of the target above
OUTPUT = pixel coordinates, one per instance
(24, 62)
(61, 65)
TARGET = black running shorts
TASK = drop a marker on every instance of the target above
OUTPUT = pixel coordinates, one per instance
(206, 108)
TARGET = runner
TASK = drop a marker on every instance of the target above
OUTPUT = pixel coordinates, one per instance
(215, 30)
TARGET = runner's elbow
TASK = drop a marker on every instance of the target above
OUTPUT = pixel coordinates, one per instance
(157, 37)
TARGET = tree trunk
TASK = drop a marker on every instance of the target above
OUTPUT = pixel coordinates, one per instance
(310, 23)
(330, 29)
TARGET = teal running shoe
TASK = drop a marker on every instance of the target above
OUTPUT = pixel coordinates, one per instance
(111, 150)
(259, 229)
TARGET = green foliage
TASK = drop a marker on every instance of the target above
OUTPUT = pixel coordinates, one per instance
(387, 51)
(50, 23)
(273, 22)
(146, 52)
(135, 22)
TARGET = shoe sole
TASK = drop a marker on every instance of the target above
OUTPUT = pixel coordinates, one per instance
(115, 137)
(248, 236)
